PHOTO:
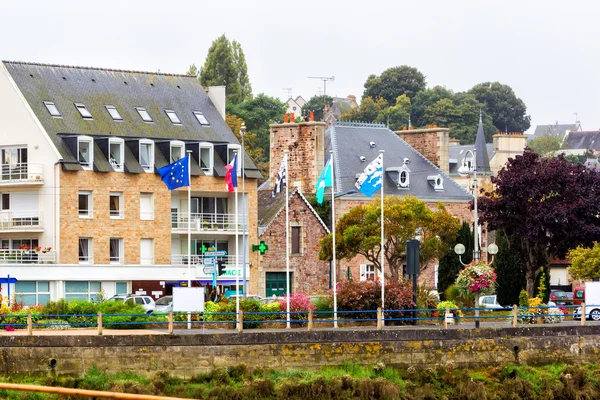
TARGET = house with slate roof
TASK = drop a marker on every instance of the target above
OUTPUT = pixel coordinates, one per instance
(557, 129)
(84, 211)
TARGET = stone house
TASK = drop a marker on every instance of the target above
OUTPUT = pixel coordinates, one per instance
(80, 151)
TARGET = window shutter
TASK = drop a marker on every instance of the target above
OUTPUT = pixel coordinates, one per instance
(363, 272)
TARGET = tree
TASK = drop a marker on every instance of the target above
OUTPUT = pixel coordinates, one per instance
(544, 206)
(508, 112)
(193, 71)
(508, 269)
(358, 232)
(369, 110)
(424, 99)
(394, 82)
(316, 104)
(226, 65)
(545, 145)
(450, 263)
(396, 116)
(585, 262)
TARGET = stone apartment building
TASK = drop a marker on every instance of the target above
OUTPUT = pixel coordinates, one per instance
(83, 210)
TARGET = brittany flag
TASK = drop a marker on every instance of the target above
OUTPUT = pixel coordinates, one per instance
(231, 176)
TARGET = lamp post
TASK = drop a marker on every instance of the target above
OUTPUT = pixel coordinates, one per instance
(244, 200)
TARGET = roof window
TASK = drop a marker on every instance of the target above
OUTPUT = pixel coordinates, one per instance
(52, 109)
(201, 118)
(114, 113)
(85, 113)
(144, 114)
(173, 117)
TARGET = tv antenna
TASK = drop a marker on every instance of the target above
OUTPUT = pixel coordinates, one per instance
(325, 79)
(289, 92)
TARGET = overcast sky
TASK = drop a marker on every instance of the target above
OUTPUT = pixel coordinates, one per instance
(548, 51)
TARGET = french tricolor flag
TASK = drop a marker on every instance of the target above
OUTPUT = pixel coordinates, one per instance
(231, 176)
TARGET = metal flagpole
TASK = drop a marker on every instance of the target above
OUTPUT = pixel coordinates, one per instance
(237, 252)
(244, 216)
(287, 239)
(189, 226)
(335, 322)
(382, 247)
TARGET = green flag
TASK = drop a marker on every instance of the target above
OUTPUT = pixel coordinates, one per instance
(324, 180)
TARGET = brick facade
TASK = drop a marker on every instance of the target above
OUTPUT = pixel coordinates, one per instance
(432, 143)
(310, 275)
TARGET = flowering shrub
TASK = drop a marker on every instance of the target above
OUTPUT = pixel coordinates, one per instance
(477, 278)
(298, 303)
(441, 310)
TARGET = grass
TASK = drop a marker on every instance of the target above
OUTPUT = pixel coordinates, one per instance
(346, 381)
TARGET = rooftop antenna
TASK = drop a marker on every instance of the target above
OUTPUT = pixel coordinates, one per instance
(289, 92)
(325, 79)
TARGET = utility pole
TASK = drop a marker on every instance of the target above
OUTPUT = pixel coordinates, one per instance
(289, 92)
(325, 79)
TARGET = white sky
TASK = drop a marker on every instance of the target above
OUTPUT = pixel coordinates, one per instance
(548, 51)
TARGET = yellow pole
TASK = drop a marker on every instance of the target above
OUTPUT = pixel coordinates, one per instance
(82, 392)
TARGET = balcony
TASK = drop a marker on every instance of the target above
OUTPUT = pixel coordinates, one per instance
(27, 257)
(21, 221)
(21, 174)
(202, 222)
(181, 259)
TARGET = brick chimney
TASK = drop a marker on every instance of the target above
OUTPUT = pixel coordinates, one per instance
(432, 142)
(506, 145)
(305, 142)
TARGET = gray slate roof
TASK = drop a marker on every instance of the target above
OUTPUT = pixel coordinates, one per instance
(582, 140)
(555, 129)
(350, 141)
(96, 87)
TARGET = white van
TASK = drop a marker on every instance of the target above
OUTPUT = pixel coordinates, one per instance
(592, 302)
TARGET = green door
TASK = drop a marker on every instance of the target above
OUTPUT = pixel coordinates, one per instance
(276, 283)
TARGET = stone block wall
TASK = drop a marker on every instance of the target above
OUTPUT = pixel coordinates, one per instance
(432, 143)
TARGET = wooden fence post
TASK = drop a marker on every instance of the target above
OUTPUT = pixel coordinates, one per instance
(583, 317)
(379, 319)
(310, 320)
(99, 323)
(170, 322)
(446, 313)
(240, 322)
(515, 320)
(29, 324)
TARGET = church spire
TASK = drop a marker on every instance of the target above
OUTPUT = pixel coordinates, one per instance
(483, 161)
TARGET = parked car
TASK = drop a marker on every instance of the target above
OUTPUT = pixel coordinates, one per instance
(491, 302)
(145, 301)
(164, 304)
(578, 295)
(558, 295)
(272, 299)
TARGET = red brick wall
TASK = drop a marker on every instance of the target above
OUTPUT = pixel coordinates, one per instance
(310, 275)
(432, 143)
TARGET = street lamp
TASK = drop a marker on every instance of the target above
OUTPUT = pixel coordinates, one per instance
(244, 227)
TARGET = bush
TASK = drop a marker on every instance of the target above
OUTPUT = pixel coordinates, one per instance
(523, 299)
(274, 308)
(299, 303)
(123, 321)
(453, 294)
(246, 305)
(441, 310)
(57, 308)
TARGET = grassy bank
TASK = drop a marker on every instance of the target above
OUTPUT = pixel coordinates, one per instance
(556, 381)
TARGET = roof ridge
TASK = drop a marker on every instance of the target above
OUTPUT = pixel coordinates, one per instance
(360, 124)
(96, 68)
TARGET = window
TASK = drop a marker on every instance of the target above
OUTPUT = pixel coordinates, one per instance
(206, 158)
(296, 240)
(85, 251)
(116, 251)
(85, 113)
(5, 205)
(147, 155)
(14, 163)
(114, 113)
(52, 109)
(177, 150)
(144, 114)
(121, 288)
(85, 205)
(116, 153)
(87, 291)
(173, 117)
(32, 293)
(201, 118)
(367, 272)
(146, 251)
(146, 206)
(116, 205)
(231, 149)
(85, 152)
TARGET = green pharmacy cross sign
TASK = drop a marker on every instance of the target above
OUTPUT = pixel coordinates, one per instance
(262, 247)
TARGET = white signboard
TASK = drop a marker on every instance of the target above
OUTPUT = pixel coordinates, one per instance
(188, 299)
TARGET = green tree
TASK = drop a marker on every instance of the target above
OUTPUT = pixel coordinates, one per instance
(511, 279)
(424, 99)
(394, 82)
(508, 112)
(193, 71)
(450, 263)
(585, 262)
(545, 145)
(225, 65)
(396, 116)
(369, 110)
(316, 104)
(358, 232)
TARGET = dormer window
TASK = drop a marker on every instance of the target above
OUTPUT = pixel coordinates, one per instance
(231, 149)
(116, 153)
(52, 109)
(177, 150)
(201, 118)
(144, 114)
(114, 113)
(173, 117)
(404, 175)
(85, 113)
(207, 158)
(147, 155)
(437, 181)
(85, 152)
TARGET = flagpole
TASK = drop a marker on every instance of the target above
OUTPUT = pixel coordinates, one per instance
(237, 250)
(335, 317)
(189, 231)
(382, 247)
(287, 239)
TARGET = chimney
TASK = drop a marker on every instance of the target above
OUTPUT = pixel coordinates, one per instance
(216, 94)
(506, 145)
(432, 142)
(453, 142)
(351, 97)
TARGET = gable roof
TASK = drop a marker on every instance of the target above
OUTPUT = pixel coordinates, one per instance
(350, 141)
(554, 129)
(269, 207)
(582, 140)
(126, 90)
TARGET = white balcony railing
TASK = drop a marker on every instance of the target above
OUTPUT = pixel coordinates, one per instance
(20, 220)
(21, 172)
(27, 257)
(201, 222)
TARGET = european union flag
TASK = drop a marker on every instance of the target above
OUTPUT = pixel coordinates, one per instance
(176, 175)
